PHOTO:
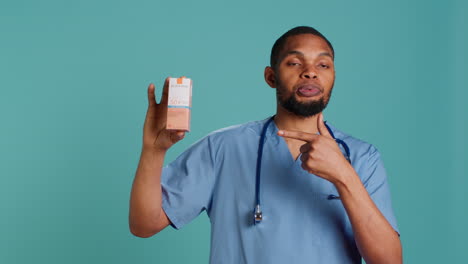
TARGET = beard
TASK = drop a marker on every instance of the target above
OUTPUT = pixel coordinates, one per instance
(306, 109)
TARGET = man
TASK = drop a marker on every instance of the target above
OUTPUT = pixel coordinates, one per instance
(319, 204)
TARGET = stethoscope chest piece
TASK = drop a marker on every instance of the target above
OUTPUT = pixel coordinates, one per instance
(258, 216)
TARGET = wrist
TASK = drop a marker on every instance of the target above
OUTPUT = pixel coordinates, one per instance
(347, 178)
(153, 151)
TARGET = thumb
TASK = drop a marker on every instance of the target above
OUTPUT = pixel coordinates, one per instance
(323, 130)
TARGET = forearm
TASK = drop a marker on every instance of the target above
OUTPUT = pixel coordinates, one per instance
(376, 239)
(146, 197)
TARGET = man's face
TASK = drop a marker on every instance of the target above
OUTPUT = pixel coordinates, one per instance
(304, 75)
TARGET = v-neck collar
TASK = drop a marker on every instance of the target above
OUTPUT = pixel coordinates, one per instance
(281, 145)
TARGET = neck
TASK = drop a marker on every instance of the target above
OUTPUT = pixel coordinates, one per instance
(285, 120)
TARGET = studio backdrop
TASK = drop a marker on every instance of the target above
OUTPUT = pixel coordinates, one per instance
(73, 80)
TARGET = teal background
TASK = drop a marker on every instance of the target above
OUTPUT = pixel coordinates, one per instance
(73, 78)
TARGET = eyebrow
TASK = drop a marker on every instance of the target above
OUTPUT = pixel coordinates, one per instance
(327, 54)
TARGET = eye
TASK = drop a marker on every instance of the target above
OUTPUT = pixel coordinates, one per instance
(324, 66)
(293, 64)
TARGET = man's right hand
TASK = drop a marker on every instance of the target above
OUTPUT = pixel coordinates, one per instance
(146, 216)
(155, 135)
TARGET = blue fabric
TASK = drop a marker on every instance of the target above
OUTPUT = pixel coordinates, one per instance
(300, 223)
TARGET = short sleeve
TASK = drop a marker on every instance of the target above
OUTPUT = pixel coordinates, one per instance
(187, 184)
(376, 183)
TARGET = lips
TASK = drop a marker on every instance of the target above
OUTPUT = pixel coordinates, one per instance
(308, 90)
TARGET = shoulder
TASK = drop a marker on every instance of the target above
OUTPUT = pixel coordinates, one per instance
(364, 155)
(240, 132)
(252, 127)
(356, 144)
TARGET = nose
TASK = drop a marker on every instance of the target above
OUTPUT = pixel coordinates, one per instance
(309, 73)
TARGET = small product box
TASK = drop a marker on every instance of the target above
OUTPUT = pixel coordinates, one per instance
(179, 104)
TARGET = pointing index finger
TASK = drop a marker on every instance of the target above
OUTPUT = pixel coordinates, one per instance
(307, 137)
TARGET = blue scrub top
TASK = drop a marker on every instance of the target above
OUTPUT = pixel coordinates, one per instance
(300, 224)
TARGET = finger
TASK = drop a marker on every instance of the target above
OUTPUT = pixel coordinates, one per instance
(180, 134)
(165, 92)
(305, 167)
(177, 135)
(323, 130)
(151, 96)
(305, 148)
(307, 137)
(303, 157)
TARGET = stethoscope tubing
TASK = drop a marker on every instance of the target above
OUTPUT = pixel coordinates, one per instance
(258, 215)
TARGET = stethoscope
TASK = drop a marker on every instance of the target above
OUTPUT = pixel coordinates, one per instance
(258, 215)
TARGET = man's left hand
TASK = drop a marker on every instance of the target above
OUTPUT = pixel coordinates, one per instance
(320, 155)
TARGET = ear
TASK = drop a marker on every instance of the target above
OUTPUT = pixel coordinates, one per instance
(270, 77)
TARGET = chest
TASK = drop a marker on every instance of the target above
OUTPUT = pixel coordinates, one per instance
(282, 181)
(294, 146)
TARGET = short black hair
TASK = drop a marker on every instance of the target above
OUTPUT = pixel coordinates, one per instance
(279, 43)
